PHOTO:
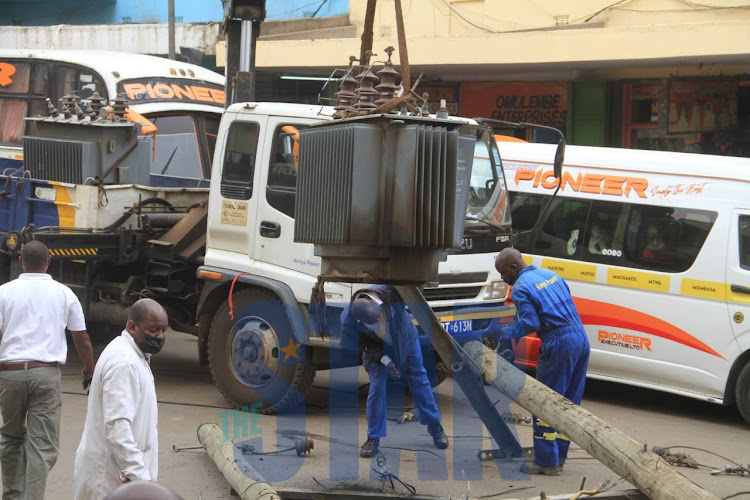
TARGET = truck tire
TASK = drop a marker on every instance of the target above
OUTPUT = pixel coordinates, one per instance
(742, 392)
(254, 359)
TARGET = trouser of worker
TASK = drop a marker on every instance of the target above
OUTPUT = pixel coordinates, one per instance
(419, 384)
(562, 364)
(31, 403)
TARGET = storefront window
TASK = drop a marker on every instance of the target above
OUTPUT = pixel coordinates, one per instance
(640, 115)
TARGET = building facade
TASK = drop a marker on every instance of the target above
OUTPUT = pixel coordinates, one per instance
(654, 74)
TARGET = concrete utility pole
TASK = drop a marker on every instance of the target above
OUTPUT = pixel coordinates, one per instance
(171, 29)
(248, 484)
(623, 455)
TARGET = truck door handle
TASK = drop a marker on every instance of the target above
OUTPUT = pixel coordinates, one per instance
(270, 229)
(740, 289)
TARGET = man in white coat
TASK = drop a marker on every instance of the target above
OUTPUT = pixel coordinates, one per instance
(119, 442)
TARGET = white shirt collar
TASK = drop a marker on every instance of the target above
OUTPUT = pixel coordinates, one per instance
(132, 343)
(35, 276)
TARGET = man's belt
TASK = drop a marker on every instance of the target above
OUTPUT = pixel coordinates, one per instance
(26, 365)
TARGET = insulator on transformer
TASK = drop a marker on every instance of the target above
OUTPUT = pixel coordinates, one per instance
(387, 75)
(119, 105)
(51, 109)
(96, 102)
(346, 94)
(366, 92)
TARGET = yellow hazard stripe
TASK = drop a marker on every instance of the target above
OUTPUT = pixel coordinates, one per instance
(562, 436)
(73, 252)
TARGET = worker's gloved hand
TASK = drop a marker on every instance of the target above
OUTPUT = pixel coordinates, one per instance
(496, 330)
(393, 371)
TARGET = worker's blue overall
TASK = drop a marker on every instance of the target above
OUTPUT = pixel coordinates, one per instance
(404, 350)
(544, 305)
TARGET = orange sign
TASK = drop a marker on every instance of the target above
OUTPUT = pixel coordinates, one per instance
(622, 340)
(543, 103)
(143, 91)
(614, 185)
(6, 71)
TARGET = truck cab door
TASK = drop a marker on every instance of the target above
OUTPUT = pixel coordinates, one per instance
(232, 216)
(276, 253)
(738, 276)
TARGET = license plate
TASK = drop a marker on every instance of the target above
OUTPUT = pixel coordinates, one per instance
(458, 326)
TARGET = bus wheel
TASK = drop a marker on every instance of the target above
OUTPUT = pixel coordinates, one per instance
(742, 393)
(254, 358)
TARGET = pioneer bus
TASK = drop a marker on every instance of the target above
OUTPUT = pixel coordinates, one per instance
(656, 249)
(182, 100)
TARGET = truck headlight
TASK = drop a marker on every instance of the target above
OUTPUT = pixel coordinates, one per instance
(496, 290)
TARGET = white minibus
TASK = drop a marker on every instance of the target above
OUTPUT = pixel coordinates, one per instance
(184, 101)
(656, 249)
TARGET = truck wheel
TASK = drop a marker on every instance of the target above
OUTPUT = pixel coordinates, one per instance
(254, 359)
(742, 392)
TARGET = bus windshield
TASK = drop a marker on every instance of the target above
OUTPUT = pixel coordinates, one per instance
(488, 194)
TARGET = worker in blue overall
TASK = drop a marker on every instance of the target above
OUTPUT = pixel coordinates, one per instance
(378, 323)
(544, 305)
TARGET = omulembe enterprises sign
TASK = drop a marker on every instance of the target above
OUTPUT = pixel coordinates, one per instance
(545, 103)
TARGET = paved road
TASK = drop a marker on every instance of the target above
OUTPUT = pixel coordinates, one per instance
(188, 398)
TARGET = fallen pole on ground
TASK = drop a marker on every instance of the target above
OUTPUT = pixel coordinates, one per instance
(248, 483)
(644, 469)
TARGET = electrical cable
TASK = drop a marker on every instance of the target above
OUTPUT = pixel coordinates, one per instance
(591, 16)
(452, 8)
(714, 7)
(177, 403)
(706, 451)
(493, 495)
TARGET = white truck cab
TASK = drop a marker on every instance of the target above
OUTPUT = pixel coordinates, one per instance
(262, 346)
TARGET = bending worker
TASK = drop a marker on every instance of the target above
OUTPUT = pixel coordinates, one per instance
(544, 305)
(377, 320)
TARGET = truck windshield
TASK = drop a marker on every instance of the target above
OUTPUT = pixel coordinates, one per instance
(488, 196)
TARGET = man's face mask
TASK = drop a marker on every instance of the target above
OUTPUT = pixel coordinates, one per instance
(151, 345)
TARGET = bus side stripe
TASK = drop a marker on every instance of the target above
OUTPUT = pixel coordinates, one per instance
(594, 312)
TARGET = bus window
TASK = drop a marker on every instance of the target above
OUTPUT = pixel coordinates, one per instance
(488, 196)
(39, 80)
(605, 232)
(745, 242)
(563, 230)
(88, 84)
(84, 82)
(12, 114)
(525, 209)
(14, 78)
(211, 129)
(176, 147)
(667, 240)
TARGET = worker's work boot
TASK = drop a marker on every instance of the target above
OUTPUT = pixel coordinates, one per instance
(546, 470)
(370, 448)
(438, 435)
